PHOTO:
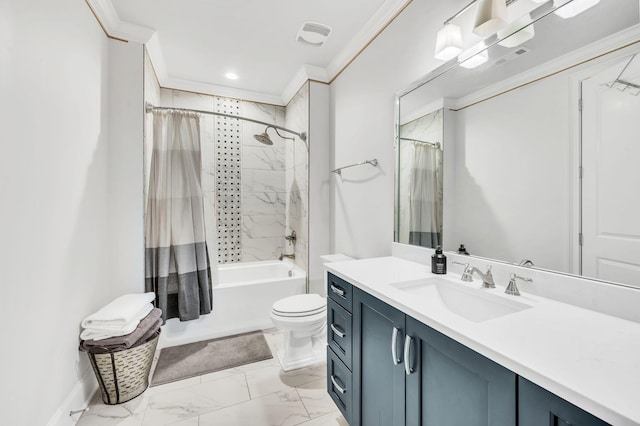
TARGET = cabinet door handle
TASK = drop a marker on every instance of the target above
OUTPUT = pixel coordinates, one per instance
(394, 346)
(407, 355)
(337, 386)
(340, 292)
(337, 331)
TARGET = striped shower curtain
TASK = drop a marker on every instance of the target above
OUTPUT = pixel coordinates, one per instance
(425, 223)
(176, 260)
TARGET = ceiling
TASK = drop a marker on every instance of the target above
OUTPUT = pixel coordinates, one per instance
(194, 43)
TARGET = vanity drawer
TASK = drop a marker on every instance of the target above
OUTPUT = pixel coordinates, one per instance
(340, 291)
(339, 331)
(339, 383)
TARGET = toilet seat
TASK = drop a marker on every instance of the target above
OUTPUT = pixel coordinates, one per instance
(301, 305)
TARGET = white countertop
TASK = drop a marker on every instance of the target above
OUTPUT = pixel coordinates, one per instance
(587, 358)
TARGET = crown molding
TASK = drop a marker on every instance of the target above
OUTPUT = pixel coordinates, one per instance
(216, 90)
(118, 29)
(114, 27)
(305, 73)
(374, 26)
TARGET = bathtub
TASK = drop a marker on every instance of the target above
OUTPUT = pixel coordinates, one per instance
(241, 301)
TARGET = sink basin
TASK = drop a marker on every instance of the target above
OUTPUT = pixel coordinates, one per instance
(474, 304)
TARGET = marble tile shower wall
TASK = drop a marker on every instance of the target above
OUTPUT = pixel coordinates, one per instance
(243, 180)
(297, 175)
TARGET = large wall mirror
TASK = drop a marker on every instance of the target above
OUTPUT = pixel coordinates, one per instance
(528, 151)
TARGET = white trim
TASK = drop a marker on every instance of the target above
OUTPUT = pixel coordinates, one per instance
(306, 72)
(608, 43)
(157, 58)
(77, 399)
(213, 89)
(107, 15)
(115, 27)
(374, 25)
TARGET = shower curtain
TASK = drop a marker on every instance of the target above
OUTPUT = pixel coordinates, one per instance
(176, 259)
(425, 222)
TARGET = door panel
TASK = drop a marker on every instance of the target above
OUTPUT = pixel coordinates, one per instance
(379, 397)
(453, 385)
(610, 201)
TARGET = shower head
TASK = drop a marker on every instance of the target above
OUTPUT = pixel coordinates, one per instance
(264, 138)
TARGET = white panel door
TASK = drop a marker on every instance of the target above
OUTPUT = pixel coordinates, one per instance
(611, 175)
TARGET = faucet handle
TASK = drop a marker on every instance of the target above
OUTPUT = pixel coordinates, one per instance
(487, 281)
(512, 288)
(466, 274)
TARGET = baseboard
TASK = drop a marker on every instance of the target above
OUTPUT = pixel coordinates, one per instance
(78, 399)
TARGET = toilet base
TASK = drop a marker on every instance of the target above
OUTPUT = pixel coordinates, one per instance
(302, 350)
(288, 365)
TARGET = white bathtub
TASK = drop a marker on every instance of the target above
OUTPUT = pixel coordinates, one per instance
(241, 302)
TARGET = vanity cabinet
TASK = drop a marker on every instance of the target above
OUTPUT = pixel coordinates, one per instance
(379, 391)
(539, 407)
(450, 384)
(396, 370)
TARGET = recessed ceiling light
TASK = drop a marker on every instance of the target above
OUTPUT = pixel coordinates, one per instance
(231, 76)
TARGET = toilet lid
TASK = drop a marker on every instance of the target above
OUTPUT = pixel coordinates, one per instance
(301, 305)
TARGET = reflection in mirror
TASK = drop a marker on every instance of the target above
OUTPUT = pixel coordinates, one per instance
(420, 180)
(520, 142)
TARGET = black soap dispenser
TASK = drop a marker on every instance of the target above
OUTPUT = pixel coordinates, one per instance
(439, 262)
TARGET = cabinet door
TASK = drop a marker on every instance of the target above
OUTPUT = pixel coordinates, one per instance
(378, 381)
(539, 407)
(450, 384)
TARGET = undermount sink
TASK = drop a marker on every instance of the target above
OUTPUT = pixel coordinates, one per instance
(474, 304)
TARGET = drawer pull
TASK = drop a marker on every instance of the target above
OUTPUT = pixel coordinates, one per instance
(394, 346)
(337, 386)
(337, 290)
(337, 331)
(407, 355)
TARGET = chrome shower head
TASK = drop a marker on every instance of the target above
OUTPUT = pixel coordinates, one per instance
(264, 138)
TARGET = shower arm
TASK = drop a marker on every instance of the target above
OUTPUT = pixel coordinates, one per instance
(150, 108)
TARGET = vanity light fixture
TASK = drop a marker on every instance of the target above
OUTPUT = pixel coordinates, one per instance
(491, 17)
(574, 7)
(474, 56)
(448, 42)
(517, 32)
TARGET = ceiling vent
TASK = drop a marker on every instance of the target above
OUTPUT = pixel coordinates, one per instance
(313, 34)
(512, 55)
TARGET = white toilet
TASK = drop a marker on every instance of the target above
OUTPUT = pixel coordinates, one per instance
(303, 318)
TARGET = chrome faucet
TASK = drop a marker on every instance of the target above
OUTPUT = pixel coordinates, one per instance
(512, 288)
(291, 238)
(487, 277)
(288, 256)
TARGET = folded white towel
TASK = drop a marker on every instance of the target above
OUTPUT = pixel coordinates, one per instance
(120, 312)
(99, 332)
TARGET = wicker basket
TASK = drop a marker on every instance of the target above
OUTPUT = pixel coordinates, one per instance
(123, 375)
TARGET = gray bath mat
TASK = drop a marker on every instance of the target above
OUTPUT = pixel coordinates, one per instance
(194, 359)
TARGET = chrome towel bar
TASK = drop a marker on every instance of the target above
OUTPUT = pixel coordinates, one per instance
(338, 171)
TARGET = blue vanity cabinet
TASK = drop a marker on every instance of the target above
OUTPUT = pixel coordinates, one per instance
(378, 381)
(339, 344)
(539, 407)
(450, 384)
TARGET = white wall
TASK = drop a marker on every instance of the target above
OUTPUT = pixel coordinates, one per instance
(319, 183)
(54, 192)
(362, 104)
(512, 193)
(126, 203)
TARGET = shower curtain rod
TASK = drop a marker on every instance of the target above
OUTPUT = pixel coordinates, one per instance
(433, 144)
(151, 108)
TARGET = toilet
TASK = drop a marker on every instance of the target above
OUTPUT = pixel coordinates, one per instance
(303, 318)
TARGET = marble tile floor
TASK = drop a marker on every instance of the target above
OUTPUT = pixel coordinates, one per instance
(258, 394)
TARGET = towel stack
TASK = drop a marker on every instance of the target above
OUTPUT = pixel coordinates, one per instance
(126, 322)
